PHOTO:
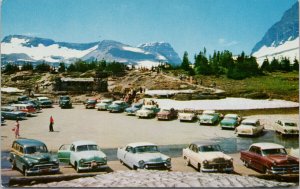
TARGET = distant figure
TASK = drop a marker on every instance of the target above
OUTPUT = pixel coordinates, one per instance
(16, 129)
(51, 124)
(141, 90)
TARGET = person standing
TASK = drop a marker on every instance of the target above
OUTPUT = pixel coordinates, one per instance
(16, 129)
(51, 124)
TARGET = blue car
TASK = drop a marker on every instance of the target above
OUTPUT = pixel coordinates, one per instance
(10, 113)
(134, 107)
(117, 106)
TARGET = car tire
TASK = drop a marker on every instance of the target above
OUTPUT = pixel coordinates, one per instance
(135, 167)
(25, 172)
(187, 161)
(77, 168)
(13, 165)
(246, 163)
(199, 167)
(121, 162)
(266, 171)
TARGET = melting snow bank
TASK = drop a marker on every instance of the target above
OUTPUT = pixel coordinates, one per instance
(147, 178)
(225, 104)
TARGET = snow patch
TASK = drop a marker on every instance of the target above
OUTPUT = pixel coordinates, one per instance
(147, 63)
(133, 49)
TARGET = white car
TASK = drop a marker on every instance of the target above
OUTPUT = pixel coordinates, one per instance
(143, 155)
(103, 104)
(250, 127)
(286, 127)
(207, 157)
(82, 155)
(187, 115)
(147, 111)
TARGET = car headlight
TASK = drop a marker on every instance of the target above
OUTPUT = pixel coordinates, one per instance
(205, 162)
(81, 161)
(168, 160)
(141, 162)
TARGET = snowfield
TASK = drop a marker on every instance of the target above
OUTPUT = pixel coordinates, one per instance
(225, 104)
(147, 178)
(288, 49)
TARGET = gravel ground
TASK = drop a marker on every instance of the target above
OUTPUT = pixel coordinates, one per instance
(142, 178)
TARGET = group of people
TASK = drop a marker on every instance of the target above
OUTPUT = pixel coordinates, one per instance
(16, 128)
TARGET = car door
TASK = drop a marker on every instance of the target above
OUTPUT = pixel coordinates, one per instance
(193, 155)
(255, 157)
(128, 156)
(64, 153)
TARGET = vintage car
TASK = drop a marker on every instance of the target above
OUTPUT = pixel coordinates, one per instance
(83, 155)
(187, 115)
(11, 113)
(45, 102)
(133, 108)
(286, 127)
(32, 157)
(65, 102)
(23, 98)
(230, 121)
(117, 106)
(166, 114)
(143, 155)
(90, 103)
(270, 158)
(147, 111)
(27, 108)
(2, 120)
(209, 117)
(207, 157)
(32, 102)
(250, 127)
(103, 104)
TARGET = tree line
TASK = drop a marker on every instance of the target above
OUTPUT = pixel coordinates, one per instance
(240, 67)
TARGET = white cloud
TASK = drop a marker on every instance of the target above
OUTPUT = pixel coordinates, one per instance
(226, 43)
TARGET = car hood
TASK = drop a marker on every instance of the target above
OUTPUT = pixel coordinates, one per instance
(114, 106)
(91, 154)
(131, 109)
(102, 104)
(40, 157)
(163, 113)
(185, 114)
(228, 121)
(145, 111)
(213, 156)
(151, 157)
(282, 159)
(246, 127)
(206, 117)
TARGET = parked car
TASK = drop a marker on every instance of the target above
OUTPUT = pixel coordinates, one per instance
(143, 155)
(65, 102)
(230, 121)
(2, 120)
(23, 98)
(103, 104)
(207, 157)
(83, 155)
(166, 114)
(90, 103)
(286, 127)
(117, 106)
(187, 115)
(250, 127)
(133, 108)
(32, 157)
(45, 102)
(147, 111)
(27, 108)
(32, 102)
(209, 117)
(270, 158)
(11, 113)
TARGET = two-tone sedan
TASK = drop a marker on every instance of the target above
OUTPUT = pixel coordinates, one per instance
(82, 155)
(209, 117)
(143, 155)
(187, 115)
(133, 108)
(103, 104)
(286, 127)
(230, 121)
(45, 102)
(167, 114)
(249, 127)
(147, 111)
(270, 158)
(207, 157)
(117, 106)
(11, 113)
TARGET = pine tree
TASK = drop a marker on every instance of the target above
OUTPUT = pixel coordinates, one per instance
(185, 65)
(296, 65)
(62, 67)
(265, 65)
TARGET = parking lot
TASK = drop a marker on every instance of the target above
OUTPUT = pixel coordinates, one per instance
(113, 130)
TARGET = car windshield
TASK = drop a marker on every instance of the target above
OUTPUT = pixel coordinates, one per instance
(44, 99)
(276, 151)
(65, 98)
(145, 149)
(136, 105)
(249, 123)
(290, 124)
(91, 101)
(210, 148)
(36, 149)
(230, 117)
(87, 147)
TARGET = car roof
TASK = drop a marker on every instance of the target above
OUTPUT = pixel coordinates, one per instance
(203, 143)
(83, 142)
(230, 115)
(148, 106)
(29, 142)
(251, 120)
(267, 145)
(209, 111)
(106, 100)
(118, 101)
(136, 144)
(42, 97)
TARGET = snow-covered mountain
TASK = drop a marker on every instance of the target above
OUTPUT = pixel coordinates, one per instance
(23, 48)
(282, 39)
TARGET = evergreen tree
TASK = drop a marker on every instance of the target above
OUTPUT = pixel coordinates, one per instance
(185, 65)
(27, 66)
(62, 67)
(11, 68)
(43, 67)
(285, 64)
(265, 65)
(71, 68)
(296, 65)
(274, 65)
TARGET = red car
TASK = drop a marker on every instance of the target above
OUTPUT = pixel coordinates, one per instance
(166, 114)
(270, 158)
(90, 103)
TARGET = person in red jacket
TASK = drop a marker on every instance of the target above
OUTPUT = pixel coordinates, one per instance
(51, 124)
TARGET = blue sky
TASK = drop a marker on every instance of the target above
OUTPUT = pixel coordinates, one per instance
(188, 25)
